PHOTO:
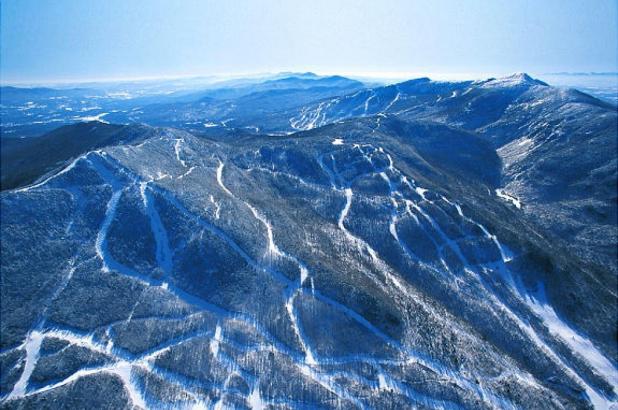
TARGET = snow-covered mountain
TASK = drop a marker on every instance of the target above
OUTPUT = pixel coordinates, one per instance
(419, 245)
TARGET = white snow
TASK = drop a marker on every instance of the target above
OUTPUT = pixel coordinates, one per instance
(217, 207)
(200, 405)
(124, 370)
(177, 149)
(220, 179)
(382, 384)
(272, 248)
(516, 151)
(369, 99)
(214, 342)
(346, 209)
(421, 192)
(190, 170)
(310, 117)
(255, 400)
(100, 244)
(577, 342)
(508, 197)
(33, 349)
(512, 80)
(304, 273)
(392, 102)
(163, 252)
(89, 118)
(524, 141)
(46, 180)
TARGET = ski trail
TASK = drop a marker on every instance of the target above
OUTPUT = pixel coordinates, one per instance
(224, 237)
(121, 367)
(101, 241)
(220, 179)
(177, 148)
(578, 343)
(273, 250)
(501, 193)
(33, 345)
(186, 173)
(327, 383)
(344, 211)
(309, 117)
(33, 349)
(397, 96)
(124, 370)
(361, 244)
(448, 241)
(289, 306)
(219, 404)
(409, 206)
(163, 252)
(217, 207)
(438, 368)
(372, 96)
(598, 400)
(331, 176)
(110, 212)
(392, 227)
(215, 341)
(46, 180)
(72, 378)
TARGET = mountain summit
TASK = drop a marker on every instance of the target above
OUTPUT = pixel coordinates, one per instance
(515, 80)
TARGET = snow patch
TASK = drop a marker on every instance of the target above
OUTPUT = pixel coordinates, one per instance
(220, 179)
(501, 193)
(214, 343)
(255, 400)
(89, 118)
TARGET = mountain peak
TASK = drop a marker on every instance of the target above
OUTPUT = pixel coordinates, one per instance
(514, 80)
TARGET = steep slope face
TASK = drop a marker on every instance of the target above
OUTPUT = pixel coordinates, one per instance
(352, 266)
(25, 160)
(559, 153)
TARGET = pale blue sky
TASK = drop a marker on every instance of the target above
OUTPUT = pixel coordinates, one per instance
(49, 40)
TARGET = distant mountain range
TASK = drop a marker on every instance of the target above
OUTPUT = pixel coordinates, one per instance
(588, 73)
(310, 242)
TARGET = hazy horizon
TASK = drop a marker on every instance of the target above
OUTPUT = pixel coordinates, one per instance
(610, 78)
(74, 41)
